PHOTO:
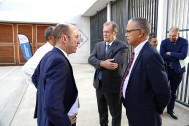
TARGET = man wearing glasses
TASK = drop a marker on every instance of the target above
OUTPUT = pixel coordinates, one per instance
(144, 89)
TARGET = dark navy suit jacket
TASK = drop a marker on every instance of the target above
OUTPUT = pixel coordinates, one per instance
(147, 93)
(56, 89)
(178, 51)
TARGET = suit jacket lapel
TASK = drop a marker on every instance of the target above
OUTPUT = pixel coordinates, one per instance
(103, 49)
(113, 46)
(59, 51)
(138, 58)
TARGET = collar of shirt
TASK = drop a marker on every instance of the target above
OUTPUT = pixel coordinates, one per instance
(139, 47)
(48, 44)
(109, 43)
(66, 55)
(137, 51)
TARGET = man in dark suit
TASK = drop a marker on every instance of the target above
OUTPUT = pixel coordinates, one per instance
(144, 89)
(172, 50)
(108, 57)
(57, 94)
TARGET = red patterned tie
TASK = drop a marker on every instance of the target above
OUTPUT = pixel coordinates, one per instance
(126, 73)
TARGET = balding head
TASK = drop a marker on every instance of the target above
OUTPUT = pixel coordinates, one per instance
(173, 34)
(66, 37)
(174, 29)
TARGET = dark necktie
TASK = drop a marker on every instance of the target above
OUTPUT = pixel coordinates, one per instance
(126, 72)
(100, 72)
(173, 43)
(107, 48)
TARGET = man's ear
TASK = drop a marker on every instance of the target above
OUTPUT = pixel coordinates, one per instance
(115, 33)
(140, 33)
(64, 38)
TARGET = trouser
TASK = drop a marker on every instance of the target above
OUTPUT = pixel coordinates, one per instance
(174, 80)
(111, 100)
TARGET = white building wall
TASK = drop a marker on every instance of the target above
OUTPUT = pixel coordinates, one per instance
(47, 12)
(83, 51)
(162, 21)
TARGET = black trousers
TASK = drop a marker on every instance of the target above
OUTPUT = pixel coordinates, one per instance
(73, 124)
(174, 79)
(111, 100)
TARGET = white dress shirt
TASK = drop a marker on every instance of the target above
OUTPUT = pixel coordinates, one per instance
(30, 66)
(109, 44)
(137, 51)
(75, 106)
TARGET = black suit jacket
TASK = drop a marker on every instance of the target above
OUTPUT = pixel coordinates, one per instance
(111, 79)
(147, 93)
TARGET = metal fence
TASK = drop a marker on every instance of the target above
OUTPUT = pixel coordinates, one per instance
(119, 15)
(96, 26)
(143, 8)
(178, 15)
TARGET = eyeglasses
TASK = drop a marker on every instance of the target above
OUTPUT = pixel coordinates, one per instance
(128, 31)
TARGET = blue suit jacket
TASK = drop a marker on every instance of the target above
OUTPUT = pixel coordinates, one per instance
(56, 89)
(179, 51)
(147, 93)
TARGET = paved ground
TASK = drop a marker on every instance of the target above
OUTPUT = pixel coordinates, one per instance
(17, 100)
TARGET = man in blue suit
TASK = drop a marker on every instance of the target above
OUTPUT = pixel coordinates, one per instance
(144, 89)
(172, 50)
(57, 94)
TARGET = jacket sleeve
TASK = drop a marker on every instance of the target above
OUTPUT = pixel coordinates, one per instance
(121, 54)
(35, 76)
(93, 60)
(56, 86)
(163, 52)
(159, 81)
(183, 53)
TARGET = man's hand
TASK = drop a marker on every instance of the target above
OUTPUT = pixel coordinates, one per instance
(73, 118)
(168, 53)
(108, 64)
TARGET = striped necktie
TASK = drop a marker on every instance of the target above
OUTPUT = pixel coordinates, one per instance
(126, 73)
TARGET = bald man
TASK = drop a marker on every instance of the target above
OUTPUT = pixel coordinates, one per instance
(172, 50)
(57, 95)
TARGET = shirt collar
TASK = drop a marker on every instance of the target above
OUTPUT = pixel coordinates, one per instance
(110, 43)
(66, 55)
(48, 44)
(139, 47)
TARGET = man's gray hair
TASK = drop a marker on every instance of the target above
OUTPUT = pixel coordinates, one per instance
(142, 23)
(115, 27)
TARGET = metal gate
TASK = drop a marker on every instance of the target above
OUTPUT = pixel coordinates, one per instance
(96, 26)
(119, 15)
(143, 8)
(178, 15)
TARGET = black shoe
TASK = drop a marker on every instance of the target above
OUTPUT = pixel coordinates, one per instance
(172, 114)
